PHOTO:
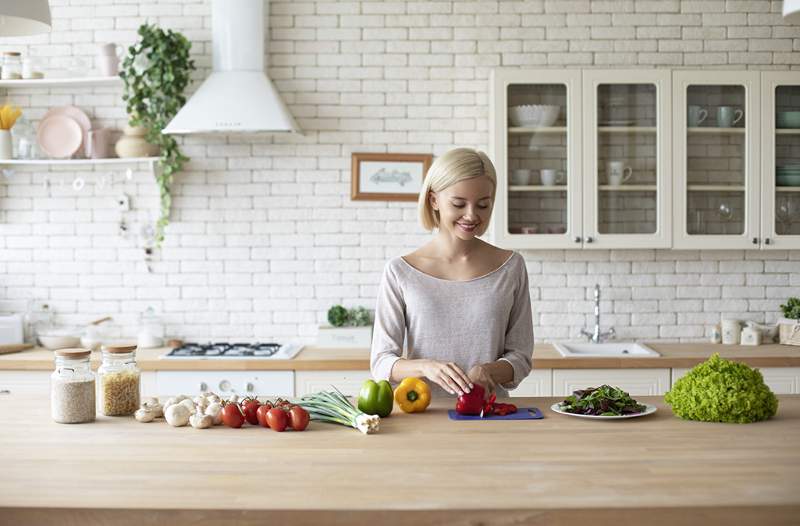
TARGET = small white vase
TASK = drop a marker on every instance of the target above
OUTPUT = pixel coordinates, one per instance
(6, 146)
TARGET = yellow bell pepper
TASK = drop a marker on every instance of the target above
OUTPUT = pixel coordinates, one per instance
(412, 395)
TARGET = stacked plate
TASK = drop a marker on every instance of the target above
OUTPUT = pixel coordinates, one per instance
(788, 119)
(64, 132)
(788, 175)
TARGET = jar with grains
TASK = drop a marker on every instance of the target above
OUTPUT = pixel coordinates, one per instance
(72, 387)
(12, 65)
(118, 381)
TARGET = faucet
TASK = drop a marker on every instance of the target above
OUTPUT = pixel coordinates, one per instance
(597, 336)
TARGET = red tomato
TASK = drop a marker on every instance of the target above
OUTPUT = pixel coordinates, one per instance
(277, 419)
(261, 414)
(298, 418)
(249, 408)
(232, 415)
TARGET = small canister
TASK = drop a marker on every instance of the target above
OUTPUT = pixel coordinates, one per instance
(716, 334)
(72, 385)
(731, 330)
(12, 65)
(119, 381)
(751, 336)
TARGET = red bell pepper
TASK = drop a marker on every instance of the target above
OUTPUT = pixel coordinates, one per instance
(471, 403)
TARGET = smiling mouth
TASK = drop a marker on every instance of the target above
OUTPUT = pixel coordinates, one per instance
(467, 227)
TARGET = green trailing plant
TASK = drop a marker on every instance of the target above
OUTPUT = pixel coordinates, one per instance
(792, 309)
(338, 316)
(155, 73)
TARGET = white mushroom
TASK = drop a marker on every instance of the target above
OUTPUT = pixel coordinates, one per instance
(214, 410)
(188, 404)
(177, 415)
(153, 407)
(143, 415)
(201, 421)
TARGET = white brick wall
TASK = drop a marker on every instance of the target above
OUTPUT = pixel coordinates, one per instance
(264, 237)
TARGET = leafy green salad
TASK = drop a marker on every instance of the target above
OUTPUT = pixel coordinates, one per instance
(602, 401)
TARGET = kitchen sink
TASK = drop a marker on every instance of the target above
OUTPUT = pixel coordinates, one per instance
(608, 349)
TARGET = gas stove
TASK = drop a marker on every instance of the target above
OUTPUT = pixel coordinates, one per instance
(227, 351)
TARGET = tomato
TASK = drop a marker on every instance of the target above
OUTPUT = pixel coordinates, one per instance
(298, 418)
(277, 419)
(249, 408)
(261, 414)
(232, 415)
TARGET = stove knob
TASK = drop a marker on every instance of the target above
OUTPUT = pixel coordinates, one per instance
(250, 387)
(203, 387)
(224, 386)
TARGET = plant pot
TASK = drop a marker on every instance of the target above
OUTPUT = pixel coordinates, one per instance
(133, 144)
(344, 337)
(6, 146)
(789, 331)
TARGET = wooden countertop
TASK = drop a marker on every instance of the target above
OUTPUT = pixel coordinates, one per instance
(655, 470)
(545, 357)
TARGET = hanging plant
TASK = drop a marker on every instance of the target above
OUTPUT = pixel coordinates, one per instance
(155, 74)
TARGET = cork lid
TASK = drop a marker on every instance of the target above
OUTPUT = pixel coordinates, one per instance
(12, 53)
(73, 353)
(119, 348)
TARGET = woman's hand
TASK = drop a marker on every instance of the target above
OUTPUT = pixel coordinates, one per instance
(481, 374)
(448, 375)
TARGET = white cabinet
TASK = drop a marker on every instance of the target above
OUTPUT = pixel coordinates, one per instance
(781, 380)
(254, 383)
(348, 382)
(637, 382)
(538, 383)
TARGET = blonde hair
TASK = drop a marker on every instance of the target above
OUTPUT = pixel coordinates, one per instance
(451, 168)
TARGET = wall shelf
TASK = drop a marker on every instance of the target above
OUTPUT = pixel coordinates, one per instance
(76, 162)
(61, 82)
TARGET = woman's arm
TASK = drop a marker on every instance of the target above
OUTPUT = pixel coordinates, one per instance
(448, 375)
(492, 374)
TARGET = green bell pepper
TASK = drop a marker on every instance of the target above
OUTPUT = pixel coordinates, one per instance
(376, 398)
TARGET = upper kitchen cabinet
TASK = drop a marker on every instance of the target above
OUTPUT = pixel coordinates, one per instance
(536, 146)
(780, 160)
(626, 159)
(716, 132)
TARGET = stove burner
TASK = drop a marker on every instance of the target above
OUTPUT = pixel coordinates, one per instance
(225, 350)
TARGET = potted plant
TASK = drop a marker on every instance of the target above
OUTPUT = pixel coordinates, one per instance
(790, 323)
(348, 328)
(155, 73)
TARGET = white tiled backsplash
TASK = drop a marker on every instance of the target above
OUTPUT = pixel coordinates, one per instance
(264, 237)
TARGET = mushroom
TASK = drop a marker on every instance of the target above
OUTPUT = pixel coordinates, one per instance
(177, 415)
(143, 415)
(201, 421)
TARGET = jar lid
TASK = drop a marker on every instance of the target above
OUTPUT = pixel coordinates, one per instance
(12, 53)
(73, 353)
(119, 348)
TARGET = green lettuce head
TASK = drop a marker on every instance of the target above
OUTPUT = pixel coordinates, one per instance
(720, 390)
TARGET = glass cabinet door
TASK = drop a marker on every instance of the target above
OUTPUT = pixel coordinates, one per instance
(626, 133)
(715, 154)
(534, 152)
(780, 218)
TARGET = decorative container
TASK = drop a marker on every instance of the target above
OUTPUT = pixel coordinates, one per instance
(789, 331)
(342, 337)
(731, 330)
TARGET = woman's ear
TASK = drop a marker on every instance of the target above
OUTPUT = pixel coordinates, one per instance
(432, 199)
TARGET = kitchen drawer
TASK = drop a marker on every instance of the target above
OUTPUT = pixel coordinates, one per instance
(637, 382)
(781, 380)
(538, 383)
(25, 382)
(348, 382)
(257, 383)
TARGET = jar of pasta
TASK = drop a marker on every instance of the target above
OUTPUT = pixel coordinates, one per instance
(118, 380)
(72, 387)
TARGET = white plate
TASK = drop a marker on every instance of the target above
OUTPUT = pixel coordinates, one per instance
(649, 410)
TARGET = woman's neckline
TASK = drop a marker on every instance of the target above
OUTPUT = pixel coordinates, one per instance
(415, 269)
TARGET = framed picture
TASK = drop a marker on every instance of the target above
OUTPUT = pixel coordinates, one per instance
(388, 176)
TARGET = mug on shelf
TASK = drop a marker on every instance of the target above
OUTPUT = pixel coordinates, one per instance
(521, 176)
(727, 116)
(731, 331)
(551, 177)
(696, 116)
(617, 173)
(108, 57)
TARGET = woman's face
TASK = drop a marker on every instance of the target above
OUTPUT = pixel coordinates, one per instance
(465, 207)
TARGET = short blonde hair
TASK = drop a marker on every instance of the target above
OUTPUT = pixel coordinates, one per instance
(451, 168)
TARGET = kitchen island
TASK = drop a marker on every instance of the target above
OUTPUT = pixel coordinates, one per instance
(424, 468)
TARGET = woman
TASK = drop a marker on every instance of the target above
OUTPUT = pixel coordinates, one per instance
(463, 303)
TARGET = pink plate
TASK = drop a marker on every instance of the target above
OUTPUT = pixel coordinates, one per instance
(59, 136)
(78, 116)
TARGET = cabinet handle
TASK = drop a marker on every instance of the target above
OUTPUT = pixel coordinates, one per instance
(577, 239)
(203, 387)
(767, 241)
(249, 387)
(590, 239)
(224, 386)
(755, 241)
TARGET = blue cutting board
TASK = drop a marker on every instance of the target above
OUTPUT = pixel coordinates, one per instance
(523, 413)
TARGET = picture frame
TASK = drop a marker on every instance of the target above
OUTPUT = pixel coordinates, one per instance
(388, 176)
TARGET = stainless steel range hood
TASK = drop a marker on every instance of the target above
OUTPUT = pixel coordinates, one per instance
(237, 96)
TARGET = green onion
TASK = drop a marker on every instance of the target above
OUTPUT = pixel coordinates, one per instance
(333, 407)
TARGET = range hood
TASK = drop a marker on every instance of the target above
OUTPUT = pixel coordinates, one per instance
(237, 96)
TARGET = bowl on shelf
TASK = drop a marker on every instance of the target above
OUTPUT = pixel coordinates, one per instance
(787, 179)
(788, 119)
(55, 339)
(534, 115)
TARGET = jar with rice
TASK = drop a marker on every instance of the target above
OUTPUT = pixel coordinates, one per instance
(72, 387)
(119, 381)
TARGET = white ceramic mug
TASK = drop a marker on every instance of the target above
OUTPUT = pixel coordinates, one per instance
(108, 58)
(696, 116)
(521, 176)
(551, 177)
(617, 173)
(727, 116)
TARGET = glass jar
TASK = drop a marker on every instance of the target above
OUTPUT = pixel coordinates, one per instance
(72, 387)
(151, 330)
(119, 381)
(12, 65)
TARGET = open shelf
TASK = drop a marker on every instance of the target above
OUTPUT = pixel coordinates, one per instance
(56, 82)
(75, 162)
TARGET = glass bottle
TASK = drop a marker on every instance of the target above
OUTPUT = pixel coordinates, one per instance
(12, 65)
(72, 387)
(119, 381)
